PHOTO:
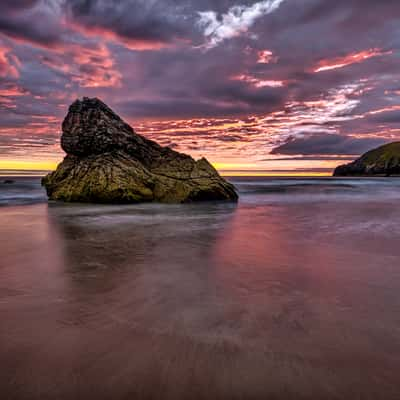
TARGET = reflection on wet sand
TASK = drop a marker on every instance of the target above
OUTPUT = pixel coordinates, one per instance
(211, 301)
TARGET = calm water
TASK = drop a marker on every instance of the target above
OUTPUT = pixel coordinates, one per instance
(293, 293)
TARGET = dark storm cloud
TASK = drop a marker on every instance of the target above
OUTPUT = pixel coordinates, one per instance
(33, 21)
(153, 20)
(141, 21)
(327, 144)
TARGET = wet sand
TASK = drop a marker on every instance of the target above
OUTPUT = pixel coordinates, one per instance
(260, 300)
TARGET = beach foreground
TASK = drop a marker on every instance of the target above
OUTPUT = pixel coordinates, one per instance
(293, 293)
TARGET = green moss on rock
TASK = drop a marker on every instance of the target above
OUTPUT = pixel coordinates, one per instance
(382, 161)
(107, 162)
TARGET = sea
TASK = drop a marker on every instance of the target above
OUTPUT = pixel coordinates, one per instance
(291, 293)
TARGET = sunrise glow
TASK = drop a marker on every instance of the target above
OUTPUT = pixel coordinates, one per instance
(221, 87)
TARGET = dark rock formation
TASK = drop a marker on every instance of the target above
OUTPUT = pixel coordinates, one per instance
(107, 162)
(383, 161)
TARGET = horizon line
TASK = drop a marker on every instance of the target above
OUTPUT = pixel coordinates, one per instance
(225, 173)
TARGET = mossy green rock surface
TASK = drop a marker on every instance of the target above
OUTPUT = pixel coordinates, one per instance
(107, 162)
(383, 161)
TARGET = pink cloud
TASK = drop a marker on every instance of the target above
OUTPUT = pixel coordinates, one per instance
(353, 58)
(91, 67)
(266, 57)
(258, 83)
(9, 63)
(111, 36)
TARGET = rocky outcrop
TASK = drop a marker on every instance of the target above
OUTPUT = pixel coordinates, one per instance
(383, 161)
(107, 162)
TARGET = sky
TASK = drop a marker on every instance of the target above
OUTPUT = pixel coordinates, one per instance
(269, 87)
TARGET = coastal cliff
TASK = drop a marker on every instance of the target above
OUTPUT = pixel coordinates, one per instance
(383, 161)
(108, 162)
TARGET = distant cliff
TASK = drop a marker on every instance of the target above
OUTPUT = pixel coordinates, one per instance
(108, 162)
(383, 161)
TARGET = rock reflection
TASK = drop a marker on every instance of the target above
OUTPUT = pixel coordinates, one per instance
(211, 301)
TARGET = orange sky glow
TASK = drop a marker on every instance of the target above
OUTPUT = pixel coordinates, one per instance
(253, 89)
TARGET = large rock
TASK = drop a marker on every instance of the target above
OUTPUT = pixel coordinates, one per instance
(107, 162)
(383, 161)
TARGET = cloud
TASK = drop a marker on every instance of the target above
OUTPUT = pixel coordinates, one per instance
(236, 21)
(136, 24)
(327, 144)
(266, 57)
(202, 107)
(37, 22)
(341, 62)
(16, 144)
(90, 66)
(258, 83)
(9, 63)
(391, 117)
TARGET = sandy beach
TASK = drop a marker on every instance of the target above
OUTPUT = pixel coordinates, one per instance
(290, 294)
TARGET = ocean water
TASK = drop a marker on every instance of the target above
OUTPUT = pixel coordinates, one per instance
(293, 293)
(27, 190)
(21, 190)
